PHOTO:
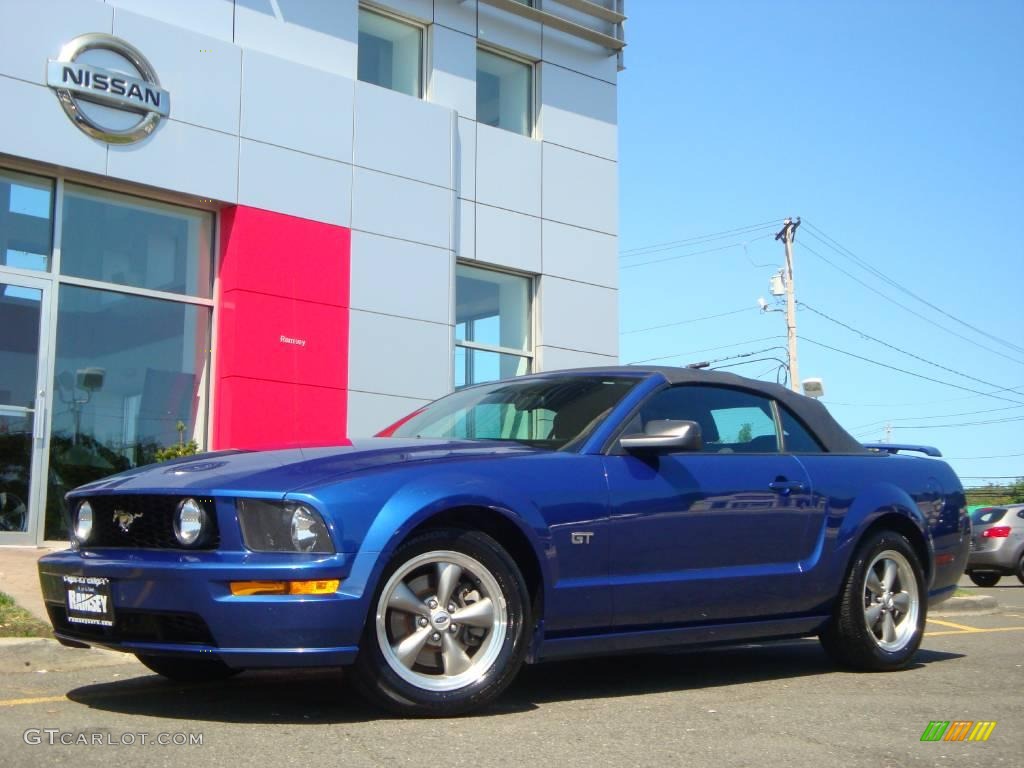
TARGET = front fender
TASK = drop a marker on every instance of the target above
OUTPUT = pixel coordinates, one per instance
(419, 501)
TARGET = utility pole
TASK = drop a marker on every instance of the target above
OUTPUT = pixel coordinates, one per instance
(888, 432)
(786, 235)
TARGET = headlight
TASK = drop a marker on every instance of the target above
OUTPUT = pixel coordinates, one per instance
(274, 526)
(189, 522)
(83, 521)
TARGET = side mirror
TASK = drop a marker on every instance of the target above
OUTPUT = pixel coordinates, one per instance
(665, 434)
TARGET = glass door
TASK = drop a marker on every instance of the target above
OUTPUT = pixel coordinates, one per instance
(24, 315)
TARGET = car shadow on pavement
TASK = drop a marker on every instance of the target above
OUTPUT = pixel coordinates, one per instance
(324, 696)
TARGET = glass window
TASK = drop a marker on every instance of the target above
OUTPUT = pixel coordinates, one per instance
(130, 379)
(548, 412)
(26, 221)
(504, 93)
(731, 421)
(390, 53)
(125, 240)
(795, 435)
(492, 310)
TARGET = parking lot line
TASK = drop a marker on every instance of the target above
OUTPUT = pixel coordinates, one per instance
(964, 627)
(973, 631)
(36, 700)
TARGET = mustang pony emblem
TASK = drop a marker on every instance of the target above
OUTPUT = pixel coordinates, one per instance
(124, 519)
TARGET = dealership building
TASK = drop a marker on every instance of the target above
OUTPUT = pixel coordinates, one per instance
(266, 223)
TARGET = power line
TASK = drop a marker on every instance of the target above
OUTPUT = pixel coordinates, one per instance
(909, 373)
(904, 307)
(962, 424)
(688, 255)
(978, 458)
(640, 250)
(844, 251)
(989, 477)
(685, 322)
(706, 349)
(895, 348)
(881, 422)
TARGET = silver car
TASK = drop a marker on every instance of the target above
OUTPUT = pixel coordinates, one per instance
(997, 544)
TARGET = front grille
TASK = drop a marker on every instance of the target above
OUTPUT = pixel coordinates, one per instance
(149, 520)
(137, 627)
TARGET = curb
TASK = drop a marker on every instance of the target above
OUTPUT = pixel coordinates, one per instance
(959, 606)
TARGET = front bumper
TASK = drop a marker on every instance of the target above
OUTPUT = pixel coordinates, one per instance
(180, 603)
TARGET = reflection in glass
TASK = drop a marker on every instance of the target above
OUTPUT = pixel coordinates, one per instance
(390, 53)
(19, 344)
(26, 221)
(477, 366)
(492, 308)
(131, 378)
(504, 93)
(125, 240)
(15, 469)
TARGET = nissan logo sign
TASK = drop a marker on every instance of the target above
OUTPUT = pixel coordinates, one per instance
(93, 95)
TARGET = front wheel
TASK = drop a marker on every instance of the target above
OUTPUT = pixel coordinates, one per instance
(188, 670)
(984, 578)
(879, 619)
(448, 626)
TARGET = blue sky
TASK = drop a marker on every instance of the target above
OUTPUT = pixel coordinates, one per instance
(897, 130)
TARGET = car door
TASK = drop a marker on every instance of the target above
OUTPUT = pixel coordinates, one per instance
(710, 535)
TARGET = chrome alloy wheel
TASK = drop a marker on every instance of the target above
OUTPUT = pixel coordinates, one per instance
(441, 621)
(891, 601)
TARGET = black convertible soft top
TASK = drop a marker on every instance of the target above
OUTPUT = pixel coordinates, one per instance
(812, 413)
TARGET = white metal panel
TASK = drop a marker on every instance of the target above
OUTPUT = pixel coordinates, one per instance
(401, 135)
(453, 71)
(459, 15)
(556, 359)
(200, 72)
(295, 183)
(465, 158)
(573, 53)
(396, 277)
(580, 254)
(369, 413)
(32, 31)
(578, 316)
(319, 34)
(210, 17)
(417, 10)
(508, 170)
(503, 30)
(397, 207)
(578, 112)
(48, 136)
(465, 232)
(395, 356)
(580, 189)
(297, 107)
(508, 239)
(182, 158)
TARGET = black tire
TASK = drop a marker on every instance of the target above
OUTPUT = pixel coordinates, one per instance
(188, 670)
(382, 680)
(847, 637)
(1020, 569)
(984, 578)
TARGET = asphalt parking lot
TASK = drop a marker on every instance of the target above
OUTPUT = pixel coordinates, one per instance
(764, 705)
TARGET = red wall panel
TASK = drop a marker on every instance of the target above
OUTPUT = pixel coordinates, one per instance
(282, 331)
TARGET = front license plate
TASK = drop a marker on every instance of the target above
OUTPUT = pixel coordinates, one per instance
(88, 600)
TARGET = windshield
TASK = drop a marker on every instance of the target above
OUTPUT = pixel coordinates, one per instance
(553, 412)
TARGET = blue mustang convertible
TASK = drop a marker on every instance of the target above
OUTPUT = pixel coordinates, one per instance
(563, 514)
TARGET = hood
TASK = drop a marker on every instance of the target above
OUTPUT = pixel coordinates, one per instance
(275, 473)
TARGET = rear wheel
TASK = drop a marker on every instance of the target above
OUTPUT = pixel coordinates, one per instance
(984, 578)
(1020, 569)
(447, 631)
(879, 618)
(188, 670)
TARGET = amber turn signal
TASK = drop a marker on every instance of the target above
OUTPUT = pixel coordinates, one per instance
(322, 587)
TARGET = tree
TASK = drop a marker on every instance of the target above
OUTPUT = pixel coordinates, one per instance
(746, 434)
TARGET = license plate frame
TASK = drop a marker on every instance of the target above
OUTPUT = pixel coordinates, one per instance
(88, 600)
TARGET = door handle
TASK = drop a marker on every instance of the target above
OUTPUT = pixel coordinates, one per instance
(786, 487)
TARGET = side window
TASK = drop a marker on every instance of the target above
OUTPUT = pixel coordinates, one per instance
(795, 436)
(731, 421)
